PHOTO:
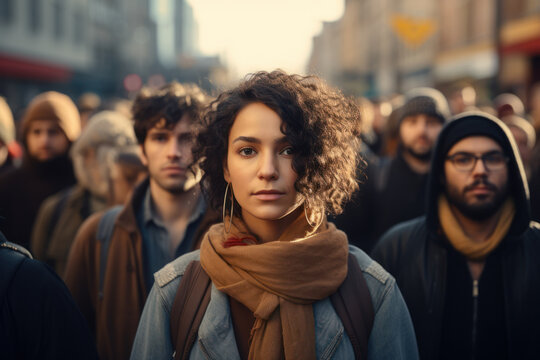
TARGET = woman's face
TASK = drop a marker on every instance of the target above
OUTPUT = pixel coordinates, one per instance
(259, 165)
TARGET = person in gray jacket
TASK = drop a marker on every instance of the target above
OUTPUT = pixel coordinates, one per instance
(278, 153)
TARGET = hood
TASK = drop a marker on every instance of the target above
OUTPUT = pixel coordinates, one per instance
(107, 134)
(52, 105)
(476, 123)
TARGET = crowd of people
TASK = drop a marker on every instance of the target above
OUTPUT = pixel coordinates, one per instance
(279, 219)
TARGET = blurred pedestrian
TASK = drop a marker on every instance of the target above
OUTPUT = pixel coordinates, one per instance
(469, 269)
(462, 98)
(9, 148)
(126, 171)
(61, 215)
(278, 152)
(50, 124)
(525, 138)
(88, 104)
(38, 317)
(115, 254)
(508, 104)
(395, 187)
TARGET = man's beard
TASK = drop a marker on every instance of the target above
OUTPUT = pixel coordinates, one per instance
(481, 211)
(422, 156)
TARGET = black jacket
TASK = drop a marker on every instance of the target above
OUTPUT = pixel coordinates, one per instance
(416, 254)
(391, 193)
(22, 191)
(38, 317)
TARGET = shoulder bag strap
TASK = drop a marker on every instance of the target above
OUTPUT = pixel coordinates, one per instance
(353, 305)
(189, 306)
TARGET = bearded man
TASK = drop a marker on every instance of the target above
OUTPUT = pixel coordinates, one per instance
(469, 269)
(395, 187)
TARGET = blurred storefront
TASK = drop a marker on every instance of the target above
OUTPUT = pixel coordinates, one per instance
(520, 46)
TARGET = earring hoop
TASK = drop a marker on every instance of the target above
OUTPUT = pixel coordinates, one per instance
(307, 218)
(232, 209)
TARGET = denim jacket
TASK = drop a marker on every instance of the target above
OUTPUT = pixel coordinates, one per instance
(392, 335)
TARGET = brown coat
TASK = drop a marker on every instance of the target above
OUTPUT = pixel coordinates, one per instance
(114, 318)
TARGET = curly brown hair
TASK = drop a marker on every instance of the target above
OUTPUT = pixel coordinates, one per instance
(169, 102)
(318, 121)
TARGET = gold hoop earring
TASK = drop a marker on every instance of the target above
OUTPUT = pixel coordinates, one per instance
(232, 209)
(307, 218)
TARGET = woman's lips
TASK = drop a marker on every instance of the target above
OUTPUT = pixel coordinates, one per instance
(268, 195)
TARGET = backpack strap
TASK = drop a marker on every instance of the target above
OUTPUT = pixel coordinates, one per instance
(189, 306)
(11, 258)
(353, 305)
(104, 234)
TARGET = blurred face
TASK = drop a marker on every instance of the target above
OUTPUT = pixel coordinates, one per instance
(480, 192)
(46, 140)
(418, 135)
(259, 165)
(121, 185)
(167, 155)
(521, 141)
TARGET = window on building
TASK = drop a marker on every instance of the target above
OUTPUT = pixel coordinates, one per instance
(58, 19)
(79, 27)
(6, 11)
(34, 16)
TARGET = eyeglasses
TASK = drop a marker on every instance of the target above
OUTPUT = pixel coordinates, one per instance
(493, 161)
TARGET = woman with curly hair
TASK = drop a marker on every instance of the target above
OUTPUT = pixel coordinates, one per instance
(279, 153)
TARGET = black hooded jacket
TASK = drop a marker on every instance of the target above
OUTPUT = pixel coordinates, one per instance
(418, 255)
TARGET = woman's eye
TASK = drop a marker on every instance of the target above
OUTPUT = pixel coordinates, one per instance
(247, 151)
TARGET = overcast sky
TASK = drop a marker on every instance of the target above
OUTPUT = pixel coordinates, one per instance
(252, 35)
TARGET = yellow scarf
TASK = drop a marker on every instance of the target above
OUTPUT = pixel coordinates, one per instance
(473, 250)
(278, 281)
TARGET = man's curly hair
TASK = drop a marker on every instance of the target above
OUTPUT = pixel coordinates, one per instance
(170, 102)
(318, 121)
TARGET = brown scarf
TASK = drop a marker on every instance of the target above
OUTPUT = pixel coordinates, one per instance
(475, 251)
(278, 281)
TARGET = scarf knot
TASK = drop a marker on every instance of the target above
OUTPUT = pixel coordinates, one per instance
(278, 281)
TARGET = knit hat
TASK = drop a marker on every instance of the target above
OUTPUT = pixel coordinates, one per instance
(52, 105)
(475, 123)
(426, 101)
(7, 126)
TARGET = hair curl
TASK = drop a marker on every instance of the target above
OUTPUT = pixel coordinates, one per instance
(318, 121)
(170, 102)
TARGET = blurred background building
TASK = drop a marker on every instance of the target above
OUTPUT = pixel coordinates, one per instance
(109, 47)
(379, 48)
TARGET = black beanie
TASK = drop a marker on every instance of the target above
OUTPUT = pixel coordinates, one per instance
(426, 101)
(474, 123)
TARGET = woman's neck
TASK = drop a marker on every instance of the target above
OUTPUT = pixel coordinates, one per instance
(270, 230)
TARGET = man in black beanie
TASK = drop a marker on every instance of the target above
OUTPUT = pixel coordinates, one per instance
(394, 190)
(469, 269)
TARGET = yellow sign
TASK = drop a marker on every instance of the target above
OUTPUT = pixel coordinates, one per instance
(413, 32)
